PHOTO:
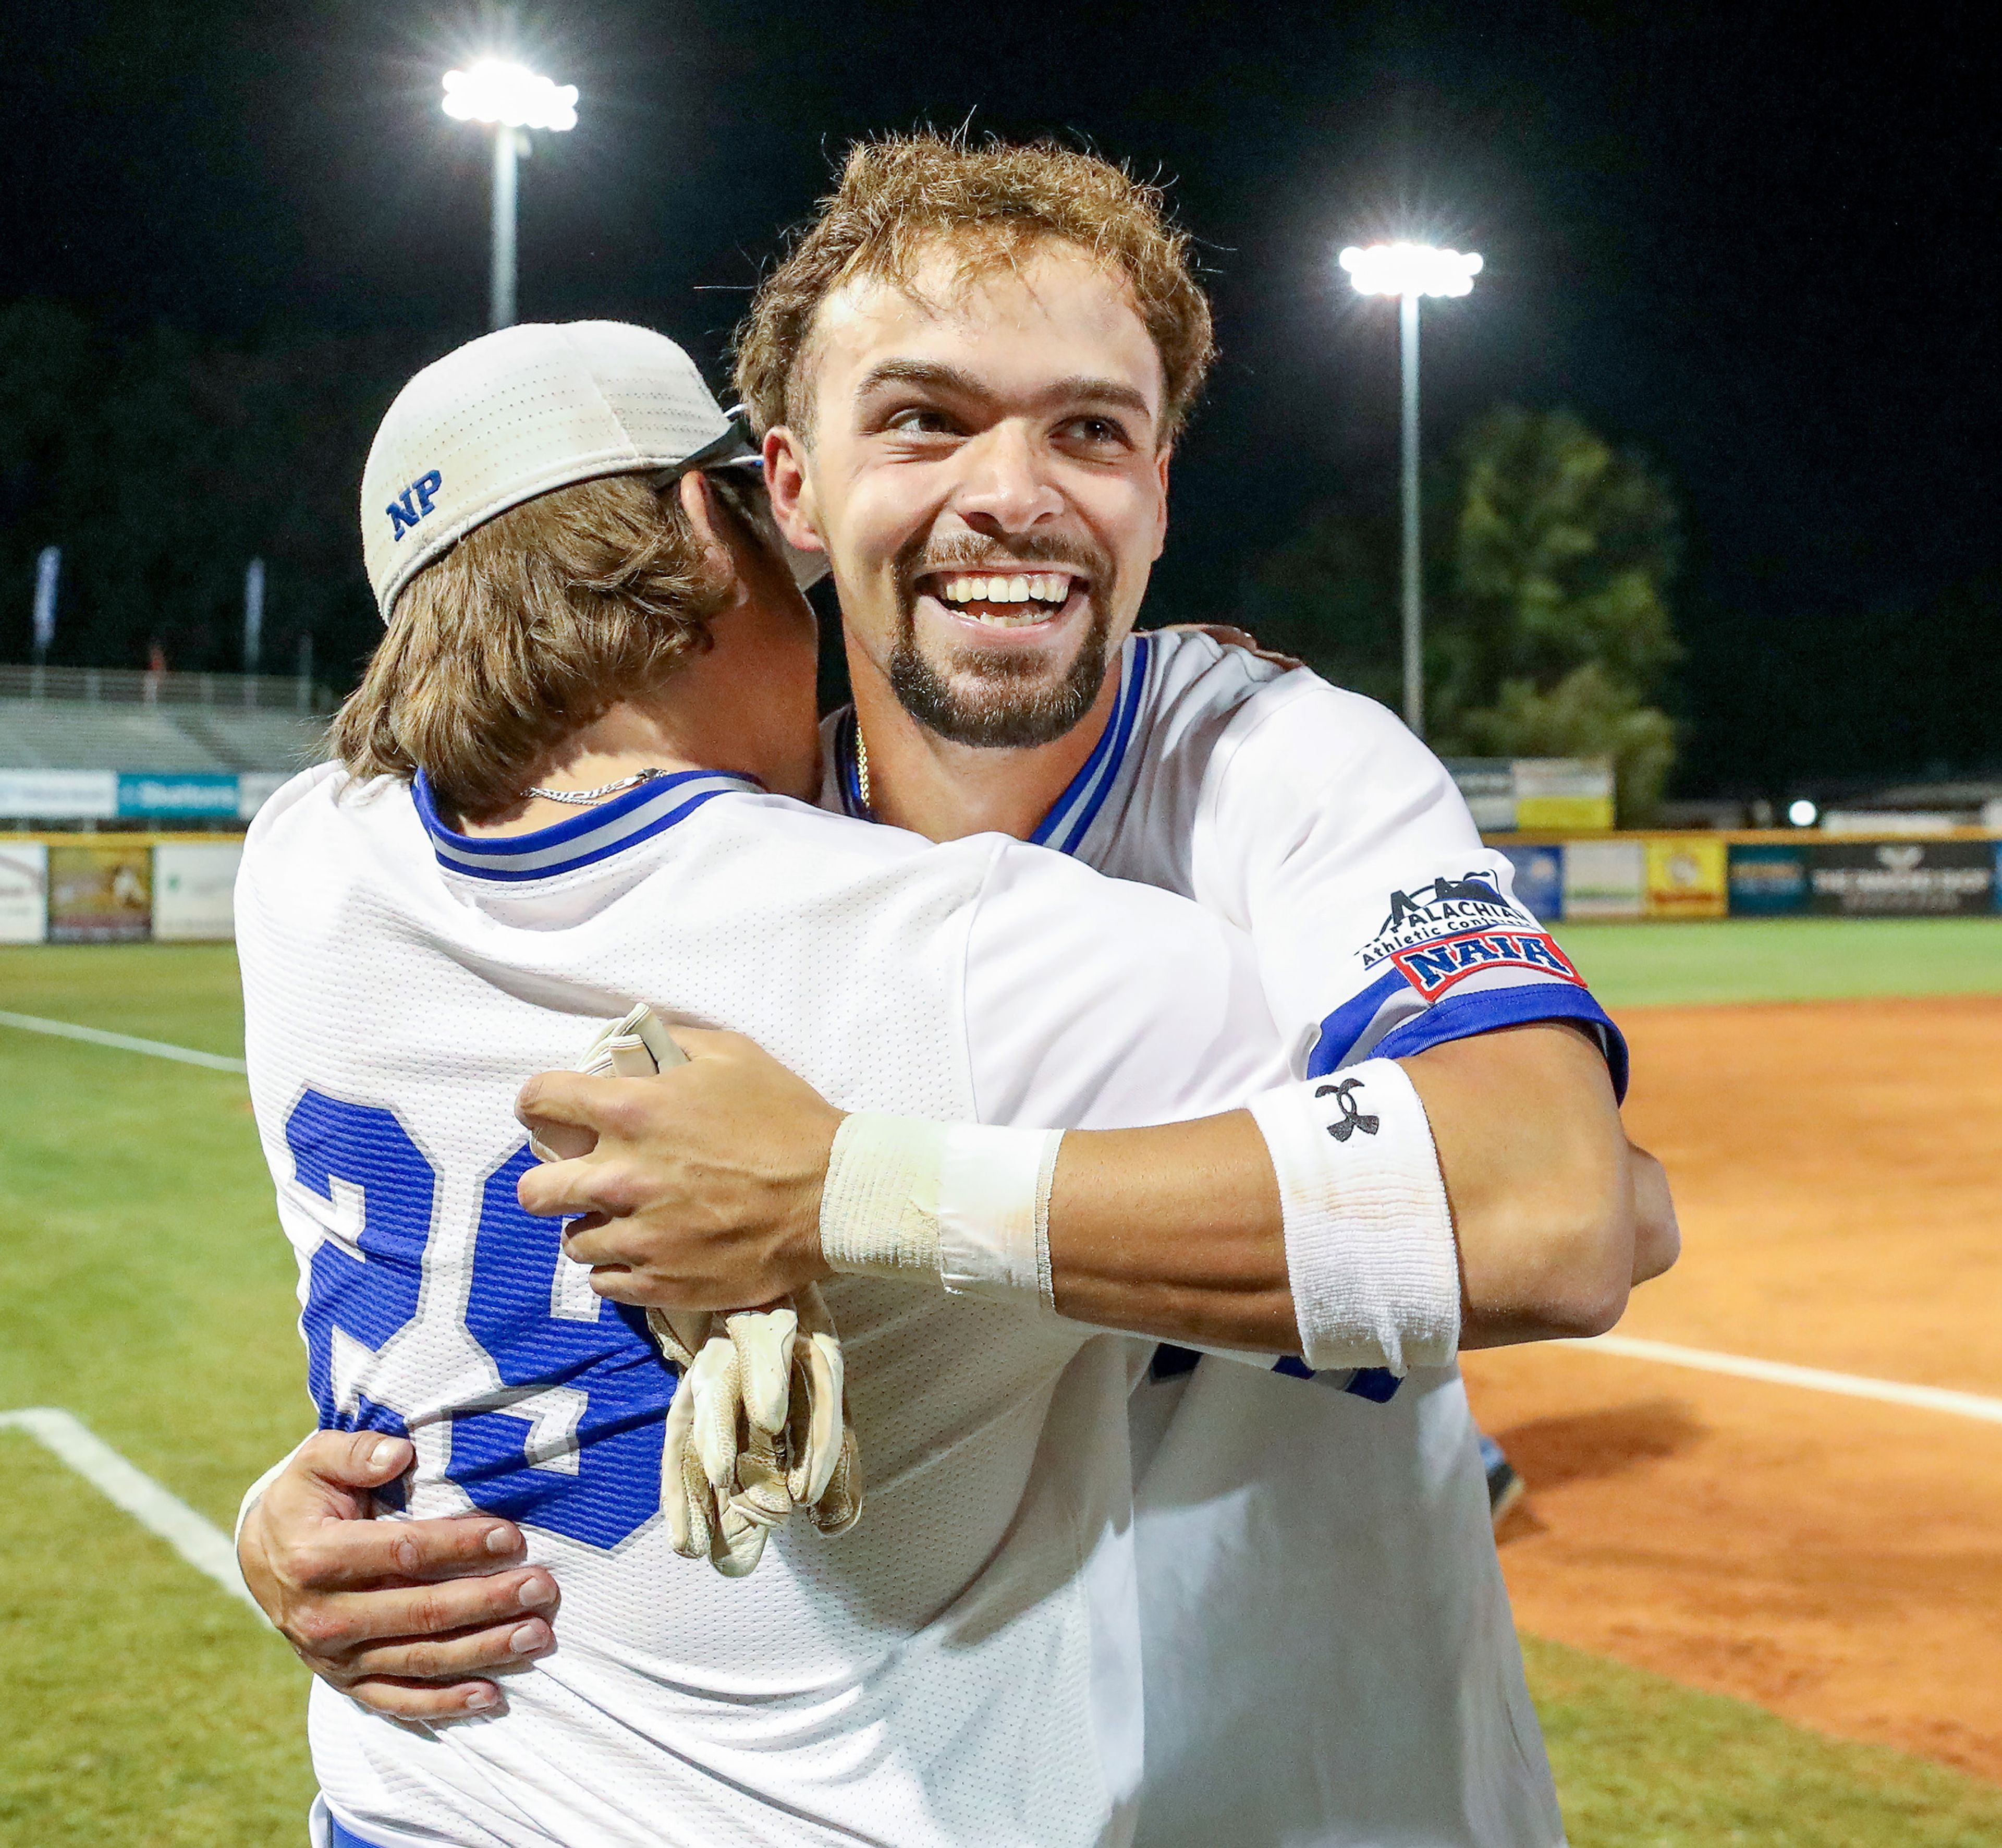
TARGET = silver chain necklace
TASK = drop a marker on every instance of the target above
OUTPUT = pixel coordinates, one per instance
(583, 799)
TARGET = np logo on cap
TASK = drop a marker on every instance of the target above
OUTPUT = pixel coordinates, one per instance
(413, 503)
(522, 413)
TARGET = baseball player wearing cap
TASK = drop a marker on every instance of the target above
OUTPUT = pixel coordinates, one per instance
(556, 801)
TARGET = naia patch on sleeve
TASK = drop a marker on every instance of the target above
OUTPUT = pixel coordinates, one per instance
(1439, 934)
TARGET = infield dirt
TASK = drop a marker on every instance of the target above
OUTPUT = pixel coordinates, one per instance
(1837, 1167)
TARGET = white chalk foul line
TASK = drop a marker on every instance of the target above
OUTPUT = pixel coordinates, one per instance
(204, 1545)
(123, 1042)
(1779, 1373)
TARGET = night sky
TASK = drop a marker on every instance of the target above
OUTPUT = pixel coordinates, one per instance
(1759, 245)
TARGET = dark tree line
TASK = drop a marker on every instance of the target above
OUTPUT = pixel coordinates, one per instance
(1548, 560)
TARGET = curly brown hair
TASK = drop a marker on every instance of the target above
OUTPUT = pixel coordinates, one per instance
(532, 627)
(898, 195)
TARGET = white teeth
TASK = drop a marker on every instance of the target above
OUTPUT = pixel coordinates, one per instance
(1042, 587)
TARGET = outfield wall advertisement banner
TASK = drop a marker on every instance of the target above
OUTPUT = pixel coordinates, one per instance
(100, 892)
(45, 795)
(1539, 880)
(1901, 878)
(24, 893)
(1605, 879)
(1767, 880)
(143, 797)
(60, 794)
(194, 890)
(1686, 876)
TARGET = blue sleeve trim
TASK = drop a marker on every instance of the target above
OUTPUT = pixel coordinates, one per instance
(1348, 1024)
(1378, 1384)
(1462, 1016)
(340, 1835)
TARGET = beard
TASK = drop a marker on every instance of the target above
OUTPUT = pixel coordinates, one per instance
(1000, 699)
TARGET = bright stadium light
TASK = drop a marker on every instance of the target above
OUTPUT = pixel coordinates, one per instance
(495, 92)
(1410, 271)
(1803, 814)
(511, 100)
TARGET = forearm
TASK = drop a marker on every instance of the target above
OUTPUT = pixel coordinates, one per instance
(1176, 1232)
(1180, 1231)
(1476, 1192)
(1537, 1168)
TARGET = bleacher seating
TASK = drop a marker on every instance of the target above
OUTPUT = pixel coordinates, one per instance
(68, 718)
(76, 735)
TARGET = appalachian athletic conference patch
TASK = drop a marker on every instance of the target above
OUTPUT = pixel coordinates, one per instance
(1439, 934)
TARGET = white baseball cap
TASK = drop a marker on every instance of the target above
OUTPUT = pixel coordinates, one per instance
(525, 411)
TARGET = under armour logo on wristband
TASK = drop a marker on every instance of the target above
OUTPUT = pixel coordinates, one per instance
(1352, 1119)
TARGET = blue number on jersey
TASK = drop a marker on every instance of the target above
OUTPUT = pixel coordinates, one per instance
(371, 1297)
(593, 1391)
(596, 1387)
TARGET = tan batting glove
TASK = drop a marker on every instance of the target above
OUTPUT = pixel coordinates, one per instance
(758, 1421)
(758, 1427)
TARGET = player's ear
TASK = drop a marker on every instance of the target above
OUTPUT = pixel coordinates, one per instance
(1163, 457)
(699, 504)
(790, 489)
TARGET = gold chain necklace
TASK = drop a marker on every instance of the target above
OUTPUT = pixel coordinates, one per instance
(862, 767)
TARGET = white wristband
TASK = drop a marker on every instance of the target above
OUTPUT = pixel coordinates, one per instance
(1369, 1246)
(968, 1202)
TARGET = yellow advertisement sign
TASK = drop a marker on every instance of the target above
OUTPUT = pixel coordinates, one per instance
(1559, 795)
(101, 891)
(1687, 876)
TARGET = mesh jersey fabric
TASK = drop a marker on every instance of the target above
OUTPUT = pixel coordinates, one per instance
(1329, 1656)
(963, 1667)
(1328, 1650)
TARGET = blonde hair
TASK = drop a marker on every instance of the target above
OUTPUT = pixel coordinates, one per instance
(528, 629)
(898, 196)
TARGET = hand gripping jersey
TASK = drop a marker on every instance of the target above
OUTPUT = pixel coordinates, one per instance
(962, 1668)
(1330, 1659)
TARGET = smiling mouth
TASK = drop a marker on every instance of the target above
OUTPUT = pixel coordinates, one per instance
(999, 600)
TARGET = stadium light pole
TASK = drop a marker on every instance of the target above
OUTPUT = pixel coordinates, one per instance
(511, 100)
(1409, 271)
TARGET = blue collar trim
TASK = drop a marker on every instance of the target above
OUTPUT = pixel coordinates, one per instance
(1073, 813)
(598, 832)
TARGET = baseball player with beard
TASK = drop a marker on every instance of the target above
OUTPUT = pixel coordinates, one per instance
(969, 374)
(971, 406)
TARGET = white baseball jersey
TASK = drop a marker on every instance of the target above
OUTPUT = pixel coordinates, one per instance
(964, 1667)
(1330, 1658)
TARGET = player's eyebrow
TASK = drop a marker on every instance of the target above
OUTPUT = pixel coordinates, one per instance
(1078, 388)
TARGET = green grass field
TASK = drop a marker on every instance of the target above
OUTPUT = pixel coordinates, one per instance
(144, 1287)
(1785, 958)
